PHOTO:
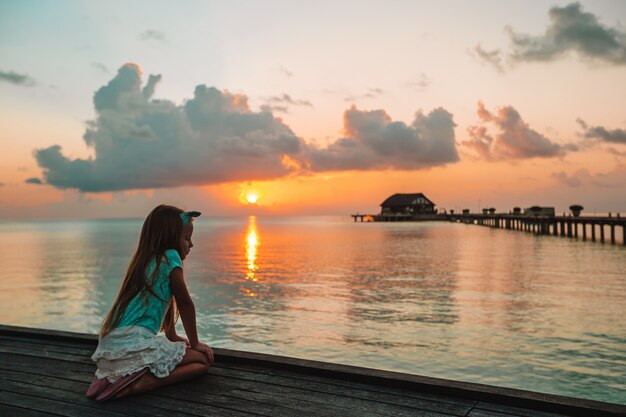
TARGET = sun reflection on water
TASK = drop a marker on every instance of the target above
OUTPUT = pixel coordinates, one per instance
(252, 244)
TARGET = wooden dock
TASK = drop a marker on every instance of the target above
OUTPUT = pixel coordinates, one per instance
(600, 228)
(45, 372)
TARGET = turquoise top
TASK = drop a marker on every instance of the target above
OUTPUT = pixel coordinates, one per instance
(150, 312)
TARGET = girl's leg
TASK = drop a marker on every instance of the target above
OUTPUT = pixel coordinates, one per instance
(194, 364)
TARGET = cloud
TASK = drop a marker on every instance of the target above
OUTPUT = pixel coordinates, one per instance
(140, 142)
(17, 79)
(33, 180)
(493, 58)
(282, 102)
(2, 184)
(563, 178)
(583, 178)
(285, 71)
(100, 67)
(515, 139)
(370, 94)
(571, 30)
(373, 141)
(422, 83)
(615, 152)
(602, 133)
(152, 35)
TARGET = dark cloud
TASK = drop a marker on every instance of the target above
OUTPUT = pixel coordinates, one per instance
(140, 142)
(602, 133)
(515, 139)
(373, 141)
(570, 30)
(2, 184)
(17, 79)
(33, 180)
(152, 35)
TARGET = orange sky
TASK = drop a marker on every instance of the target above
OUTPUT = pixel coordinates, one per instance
(340, 103)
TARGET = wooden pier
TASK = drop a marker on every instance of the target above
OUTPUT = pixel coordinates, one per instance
(46, 372)
(602, 229)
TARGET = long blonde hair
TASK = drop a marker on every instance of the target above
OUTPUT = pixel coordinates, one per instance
(162, 230)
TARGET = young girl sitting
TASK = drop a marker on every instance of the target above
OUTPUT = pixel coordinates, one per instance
(131, 356)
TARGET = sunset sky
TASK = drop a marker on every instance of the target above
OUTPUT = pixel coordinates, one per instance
(110, 108)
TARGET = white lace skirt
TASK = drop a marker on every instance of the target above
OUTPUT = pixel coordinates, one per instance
(129, 349)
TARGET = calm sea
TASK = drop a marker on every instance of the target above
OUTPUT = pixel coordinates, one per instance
(446, 300)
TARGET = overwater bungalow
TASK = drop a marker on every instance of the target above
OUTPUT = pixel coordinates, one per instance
(408, 204)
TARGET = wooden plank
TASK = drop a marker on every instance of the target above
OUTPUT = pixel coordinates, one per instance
(315, 397)
(176, 407)
(199, 391)
(51, 335)
(46, 353)
(345, 383)
(36, 343)
(46, 366)
(73, 392)
(489, 413)
(358, 394)
(314, 408)
(60, 408)
(77, 398)
(505, 409)
(210, 395)
(66, 390)
(9, 411)
(481, 392)
(472, 391)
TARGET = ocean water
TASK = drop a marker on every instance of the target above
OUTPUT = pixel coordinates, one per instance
(446, 300)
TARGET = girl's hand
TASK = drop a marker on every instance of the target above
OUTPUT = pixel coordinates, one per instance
(206, 349)
(177, 338)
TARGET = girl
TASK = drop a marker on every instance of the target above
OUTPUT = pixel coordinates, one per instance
(131, 357)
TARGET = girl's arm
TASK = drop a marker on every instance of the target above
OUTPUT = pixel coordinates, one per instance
(187, 312)
(171, 332)
(185, 304)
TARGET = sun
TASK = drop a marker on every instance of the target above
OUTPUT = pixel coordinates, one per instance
(252, 198)
(250, 194)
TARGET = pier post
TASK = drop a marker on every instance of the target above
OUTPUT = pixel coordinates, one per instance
(575, 225)
(602, 232)
(555, 230)
(584, 231)
(612, 234)
(562, 227)
(593, 232)
(569, 229)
